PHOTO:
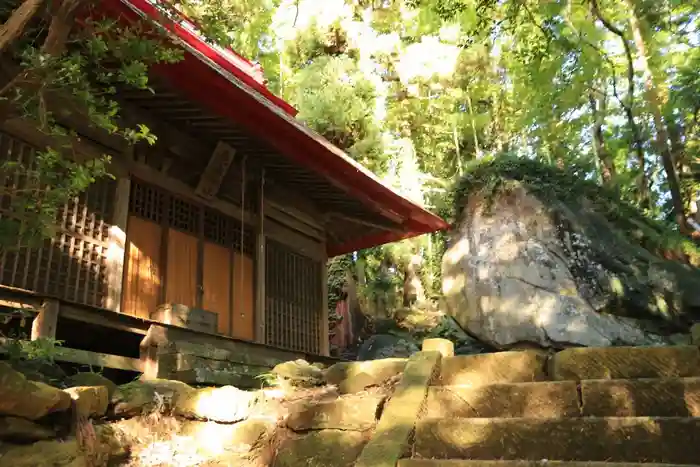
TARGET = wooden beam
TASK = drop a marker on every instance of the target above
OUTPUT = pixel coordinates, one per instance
(217, 168)
(86, 357)
(286, 218)
(311, 247)
(96, 359)
(373, 225)
(260, 332)
(325, 347)
(177, 141)
(294, 204)
(76, 148)
(44, 324)
(116, 250)
(103, 318)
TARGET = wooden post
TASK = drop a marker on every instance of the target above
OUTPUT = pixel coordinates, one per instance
(44, 325)
(116, 251)
(325, 346)
(149, 353)
(260, 266)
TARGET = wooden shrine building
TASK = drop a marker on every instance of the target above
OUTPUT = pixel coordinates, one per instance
(206, 255)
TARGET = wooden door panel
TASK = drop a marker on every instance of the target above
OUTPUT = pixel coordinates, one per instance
(181, 277)
(142, 281)
(217, 285)
(243, 297)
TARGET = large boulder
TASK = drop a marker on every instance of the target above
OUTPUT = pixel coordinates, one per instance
(543, 256)
(21, 397)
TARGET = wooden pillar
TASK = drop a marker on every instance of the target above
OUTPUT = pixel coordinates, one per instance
(260, 331)
(44, 324)
(325, 346)
(116, 251)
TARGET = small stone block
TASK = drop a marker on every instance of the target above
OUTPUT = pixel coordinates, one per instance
(695, 334)
(444, 346)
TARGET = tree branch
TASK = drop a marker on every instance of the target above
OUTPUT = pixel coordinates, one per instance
(14, 27)
(643, 194)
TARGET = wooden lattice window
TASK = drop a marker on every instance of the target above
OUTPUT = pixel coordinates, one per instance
(293, 302)
(72, 265)
(152, 203)
(226, 231)
(146, 202)
(183, 215)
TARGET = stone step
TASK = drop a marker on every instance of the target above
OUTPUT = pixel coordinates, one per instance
(671, 440)
(500, 367)
(532, 400)
(506, 463)
(669, 397)
(672, 397)
(625, 363)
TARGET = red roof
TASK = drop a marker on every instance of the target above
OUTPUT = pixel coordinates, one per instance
(230, 86)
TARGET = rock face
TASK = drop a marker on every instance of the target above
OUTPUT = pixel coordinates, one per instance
(541, 256)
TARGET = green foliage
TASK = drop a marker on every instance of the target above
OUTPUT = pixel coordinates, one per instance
(43, 349)
(337, 100)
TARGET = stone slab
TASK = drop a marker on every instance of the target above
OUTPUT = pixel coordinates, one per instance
(677, 397)
(327, 448)
(393, 432)
(505, 463)
(500, 367)
(90, 401)
(533, 400)
(615, 439)
(626, 363)
(344, 413)
(354, 377)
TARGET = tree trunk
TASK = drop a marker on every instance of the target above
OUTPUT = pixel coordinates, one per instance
(637, 143)
(654, 103)
(598, 115)
(413, 290)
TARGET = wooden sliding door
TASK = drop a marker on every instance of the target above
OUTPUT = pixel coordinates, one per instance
(243, 297)
(216, 280)
(181, 277)
(142, 280)
(201, 245)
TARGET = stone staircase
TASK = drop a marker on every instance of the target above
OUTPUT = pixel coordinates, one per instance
(580, 407)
